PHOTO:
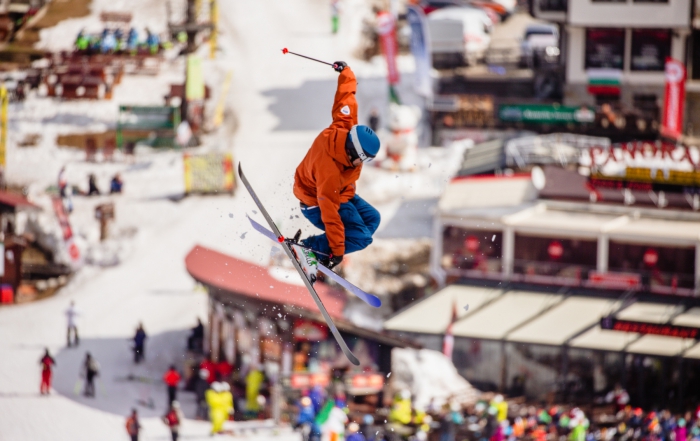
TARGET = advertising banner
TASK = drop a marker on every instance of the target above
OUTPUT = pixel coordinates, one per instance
(386, 27)
(674, 99)
(208, 173)
(420, 48)
(546, 113)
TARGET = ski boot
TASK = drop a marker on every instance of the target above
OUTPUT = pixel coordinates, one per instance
(305, 257)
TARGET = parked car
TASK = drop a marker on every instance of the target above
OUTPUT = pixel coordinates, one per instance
(539, 40)
(459, 36)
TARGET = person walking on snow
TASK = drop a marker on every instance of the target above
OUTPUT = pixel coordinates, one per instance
(91, 369)
(325, 180)
(133, 426)
(172, 379)
(47, 363)
(71, 315)
(173, 418)
(139, 344)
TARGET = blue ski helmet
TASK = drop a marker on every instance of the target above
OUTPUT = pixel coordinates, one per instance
(365, 141)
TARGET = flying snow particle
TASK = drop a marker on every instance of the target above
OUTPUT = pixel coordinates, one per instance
(493, 238)
(291, 217)
(466, 307)
(429, 164)
(243, 235)
(255, 212)
(388, 375)
(230, 215)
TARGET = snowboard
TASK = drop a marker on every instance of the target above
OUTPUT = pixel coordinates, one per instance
(368, 298)
(288, 250)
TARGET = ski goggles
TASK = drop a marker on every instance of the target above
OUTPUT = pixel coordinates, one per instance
(356, 151)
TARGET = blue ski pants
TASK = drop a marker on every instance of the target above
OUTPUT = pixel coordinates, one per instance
(360, 219)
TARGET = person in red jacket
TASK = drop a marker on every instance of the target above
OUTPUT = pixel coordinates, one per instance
(172, 379)
(325, 180)
(210, 367)
(47, 363)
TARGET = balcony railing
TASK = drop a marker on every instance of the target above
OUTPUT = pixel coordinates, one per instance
(563, 274)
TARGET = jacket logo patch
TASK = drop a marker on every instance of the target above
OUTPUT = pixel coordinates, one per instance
(345, 110)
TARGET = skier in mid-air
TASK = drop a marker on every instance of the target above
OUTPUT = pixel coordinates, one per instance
(325, 180)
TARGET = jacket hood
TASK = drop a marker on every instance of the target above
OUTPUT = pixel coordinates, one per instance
(337, 149)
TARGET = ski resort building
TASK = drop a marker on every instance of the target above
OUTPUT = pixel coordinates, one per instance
(570, 278)
(263, 317)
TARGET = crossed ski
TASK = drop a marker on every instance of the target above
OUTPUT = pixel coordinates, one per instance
(276, 236)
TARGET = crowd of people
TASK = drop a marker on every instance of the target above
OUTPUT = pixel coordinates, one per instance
(111, 41)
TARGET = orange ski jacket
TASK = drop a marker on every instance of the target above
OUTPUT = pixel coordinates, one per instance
(325, 177)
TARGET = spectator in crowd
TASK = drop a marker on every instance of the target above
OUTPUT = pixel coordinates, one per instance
(92, 185)
(133, 426)
(90, 370)
(223, 370)
(196, 338)
(210, 367)
(139, 344)
(172, 379)
(115, 185)
(200, 388)
(71, 315)
(354, 433)
(220, 402)
(62, 182)
(306, 418)
(173, 418)
(47, 363)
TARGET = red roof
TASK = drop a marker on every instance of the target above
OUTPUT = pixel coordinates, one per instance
(15, 200)
(244, 278)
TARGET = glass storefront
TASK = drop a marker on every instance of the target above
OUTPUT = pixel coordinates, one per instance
(660, 269)
(472, 252)
(650, 48)
(605, 48)
(566, 261)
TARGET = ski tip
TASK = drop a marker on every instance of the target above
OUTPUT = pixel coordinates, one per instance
(240, 170)
(285, 50)
(280, 239)
(374, 301)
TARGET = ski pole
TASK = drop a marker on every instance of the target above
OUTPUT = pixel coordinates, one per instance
(287, 51)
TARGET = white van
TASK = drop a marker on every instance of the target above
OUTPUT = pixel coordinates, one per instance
(459, 36)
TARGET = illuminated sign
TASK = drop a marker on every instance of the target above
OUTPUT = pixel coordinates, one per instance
(614, 324)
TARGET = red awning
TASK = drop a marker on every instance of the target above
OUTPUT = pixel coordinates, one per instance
(14, 200)
(244, 278)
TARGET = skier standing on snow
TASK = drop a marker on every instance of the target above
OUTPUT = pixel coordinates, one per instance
(71, 315)
(47, 363)
(325, 180)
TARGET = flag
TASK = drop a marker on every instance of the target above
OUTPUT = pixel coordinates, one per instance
(674, 99)
(386, 28)
(420, 49)
(449, 341)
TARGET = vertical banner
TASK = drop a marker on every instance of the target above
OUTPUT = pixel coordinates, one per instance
(4, 101)
(420, 49)
(214, 18)
(386, 28)
(73, 250)
(194, 87)
(674, 99)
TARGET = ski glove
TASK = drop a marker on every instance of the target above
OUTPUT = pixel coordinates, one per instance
(334, 261)
(338, 66)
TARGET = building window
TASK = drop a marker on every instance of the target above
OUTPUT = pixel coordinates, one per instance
(554, 5)
(569, 260)
(471, 252)
(650, 1)
(659, 269)
(609, 1)
(605, 48)
(650, 48)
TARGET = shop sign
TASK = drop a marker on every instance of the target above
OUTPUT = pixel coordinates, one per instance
(365, 383)
(271, 349)
(614, 280)
(651, 257)
(555, 249)
(658, 163)
(305, 380)
(306, 330)
(611, 323)
(546, 113)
